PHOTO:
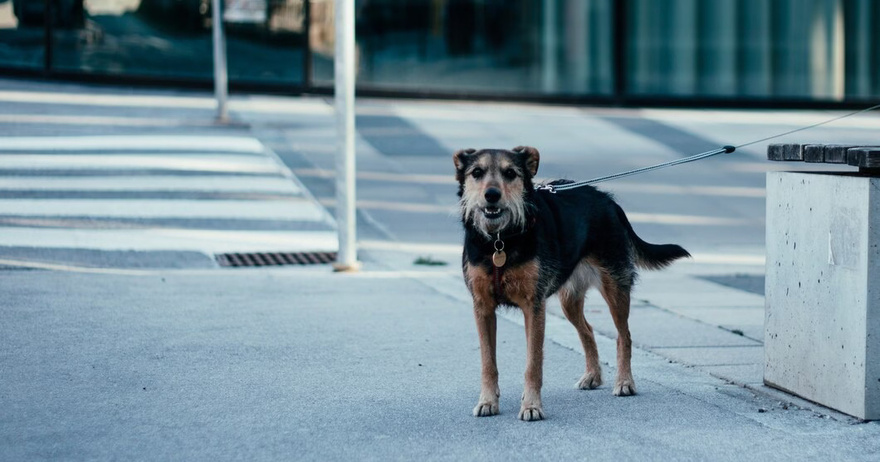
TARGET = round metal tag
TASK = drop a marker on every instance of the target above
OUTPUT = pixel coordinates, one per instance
(499, 258)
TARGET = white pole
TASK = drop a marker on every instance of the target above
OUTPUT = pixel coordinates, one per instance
(344, 75)
(220, 77)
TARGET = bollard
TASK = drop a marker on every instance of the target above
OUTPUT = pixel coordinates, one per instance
(220, 74)
(344, 74)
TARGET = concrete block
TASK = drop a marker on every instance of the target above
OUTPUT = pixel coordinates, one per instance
(716, 356)
(776, 152)
(864, 157)
(793, 152)
(753, 331)
(836, 153)
(788, 151)
(652, 328)
(814, 153)
(748, 374)
(725, 316)
(731, 298)
(822, 305)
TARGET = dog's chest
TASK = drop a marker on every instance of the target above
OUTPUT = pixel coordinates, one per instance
(515, 285)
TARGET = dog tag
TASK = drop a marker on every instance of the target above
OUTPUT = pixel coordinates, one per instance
(499, 258)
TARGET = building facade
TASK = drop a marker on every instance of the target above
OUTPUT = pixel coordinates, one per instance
(771, 52)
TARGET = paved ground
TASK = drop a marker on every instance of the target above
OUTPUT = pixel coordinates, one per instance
(140, 347)
(308, 365)
(155, 193)
(125, 184)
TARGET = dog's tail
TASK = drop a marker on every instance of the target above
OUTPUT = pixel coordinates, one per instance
(651, 256)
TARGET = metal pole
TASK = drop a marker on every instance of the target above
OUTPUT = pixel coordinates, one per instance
(344, 77)
(220, 76)
(550, 45)
(307, 46)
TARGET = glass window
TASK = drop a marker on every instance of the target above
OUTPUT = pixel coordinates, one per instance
(173, 39)
(265, 40)
(489, 46)
(862, 38)
(820, 50)
(167, 38)
(22, 34)
(802, 49)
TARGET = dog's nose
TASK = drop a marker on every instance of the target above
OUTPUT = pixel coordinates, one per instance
(492, 195)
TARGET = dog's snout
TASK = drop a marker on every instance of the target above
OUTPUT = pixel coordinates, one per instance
(492, 195)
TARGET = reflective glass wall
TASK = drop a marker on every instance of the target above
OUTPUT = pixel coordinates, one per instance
(487, 46)
(22, 41)
(816, 49)
(622, 50)
(155, 38)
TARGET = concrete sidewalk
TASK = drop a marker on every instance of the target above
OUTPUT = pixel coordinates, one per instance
(102, 362)
(294, 364)
(677, 314)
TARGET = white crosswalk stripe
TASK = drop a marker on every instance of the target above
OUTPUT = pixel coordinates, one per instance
(171, 161)
(241, 184)
(213, 144)
(103, 196)
(207, 241)
(294, 209)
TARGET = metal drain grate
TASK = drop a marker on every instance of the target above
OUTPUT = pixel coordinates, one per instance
(275, 258)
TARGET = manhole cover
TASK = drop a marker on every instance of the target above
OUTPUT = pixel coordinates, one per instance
(275, 258)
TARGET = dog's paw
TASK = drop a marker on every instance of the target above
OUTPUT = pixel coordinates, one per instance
(486, 409)
(589, 381)
(531, 413)
(624, 388)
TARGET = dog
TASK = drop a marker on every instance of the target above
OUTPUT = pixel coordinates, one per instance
(523, 244)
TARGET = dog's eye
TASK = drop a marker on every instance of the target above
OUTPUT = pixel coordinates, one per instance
(509, 173)
(478, 173)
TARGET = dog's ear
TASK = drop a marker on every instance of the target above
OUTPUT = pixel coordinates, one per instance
(461, 158)
(532, 158)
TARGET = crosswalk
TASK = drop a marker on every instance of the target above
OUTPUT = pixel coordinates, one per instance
(208, 194)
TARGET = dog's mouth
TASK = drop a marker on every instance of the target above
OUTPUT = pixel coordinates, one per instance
(492, 212)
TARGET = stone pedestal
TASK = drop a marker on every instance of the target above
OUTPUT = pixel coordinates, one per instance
(822, 305)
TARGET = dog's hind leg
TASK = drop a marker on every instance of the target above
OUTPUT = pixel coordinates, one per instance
(535, 317)
(617, 294)
(572, 299)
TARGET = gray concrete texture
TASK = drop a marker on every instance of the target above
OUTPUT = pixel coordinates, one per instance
(823, 304)
(307, 365)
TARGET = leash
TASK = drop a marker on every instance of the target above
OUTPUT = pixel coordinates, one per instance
(553, 188)
(499, 258)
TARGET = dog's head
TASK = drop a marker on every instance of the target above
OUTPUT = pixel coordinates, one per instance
(494, 186)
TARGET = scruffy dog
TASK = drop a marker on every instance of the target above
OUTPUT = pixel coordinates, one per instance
(523, 245)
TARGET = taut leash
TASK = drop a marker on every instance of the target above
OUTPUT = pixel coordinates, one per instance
(703, 155)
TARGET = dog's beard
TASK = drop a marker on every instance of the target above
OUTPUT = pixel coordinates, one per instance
(511, 218)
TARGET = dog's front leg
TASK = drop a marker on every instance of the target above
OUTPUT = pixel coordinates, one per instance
(489, 391)
(530, 408)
